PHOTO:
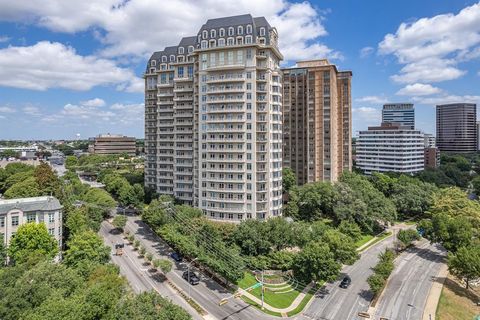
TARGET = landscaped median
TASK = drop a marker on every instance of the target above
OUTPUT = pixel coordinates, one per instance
(283, 295)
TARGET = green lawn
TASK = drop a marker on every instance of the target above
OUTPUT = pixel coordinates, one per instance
(302, 304)
(277, 300)
(276, 314)
(378, 239)
(363, 240)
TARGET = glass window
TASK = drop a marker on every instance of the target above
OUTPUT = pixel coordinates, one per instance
(51, 231)
(222, 32)
(205, 34)
(2, 222)
(213, 33)
(15, 221)
(221, 42)
(180, 72)
(230, 42)
(240, 56)
(240, 30)
(262, 31)
(51, 217)
(31, 217)
(231, 31)
(181, 50)
(190, 71)
(249, 29)
(190, 49)
(172, 58)
(230, 57)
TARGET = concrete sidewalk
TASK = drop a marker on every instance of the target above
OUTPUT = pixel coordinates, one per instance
(429, 312)
(283, 311)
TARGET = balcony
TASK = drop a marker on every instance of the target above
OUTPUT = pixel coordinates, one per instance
(226, 79)
(183, 79)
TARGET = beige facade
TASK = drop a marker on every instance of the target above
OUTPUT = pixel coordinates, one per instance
(213, 120)
(317, 126)
(15, 212)
(113, 144)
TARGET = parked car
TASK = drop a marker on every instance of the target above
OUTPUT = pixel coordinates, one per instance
(176, 256)
(345, 282)
(193, 279)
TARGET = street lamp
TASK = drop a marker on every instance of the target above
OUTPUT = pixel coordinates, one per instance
(189, 284)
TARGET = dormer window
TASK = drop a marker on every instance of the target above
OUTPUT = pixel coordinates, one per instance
(230, 42)
(164, 58)
(221, 42)
(262, 31)
(172, 58)
(222, 32)
(190, 49)
(153, 63)
(204, 44)
(248, 40)
(213, 33)
(181, 50)
(205, 34)
(240, 30)
(231, 31)
(249, 29)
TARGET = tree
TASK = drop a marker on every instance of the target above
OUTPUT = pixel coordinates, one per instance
(476, 185)
(147, 306)
(351, 229)
(24, 189)
(32, 239)
(313, 200)
(70, 162)
(252, 237)
(288, 179)
(77, 220)
(376, 283)
(84, 250)
(165, 265)
(149, 257)
(3, 252)
(156, 263)
(119, 222)
(142, 251)
(316, 262)
(46, 179)
(341, 245)
(154, 214)
(407, 236)
(455, 203)
(452, 233)
(465, 263)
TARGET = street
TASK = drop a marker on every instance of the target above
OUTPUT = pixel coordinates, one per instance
(410, 282)
(137, 274)
(208, 293)
(335, 303)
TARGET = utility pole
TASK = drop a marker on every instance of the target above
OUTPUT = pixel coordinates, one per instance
(263, 288)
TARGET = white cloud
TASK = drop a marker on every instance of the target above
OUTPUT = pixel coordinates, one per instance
(418, 89)
(432, 48)
(372, 99)
(366, 51)
(7, 110)
(139, 27)
(97, 115)
(4, 39)
(442, 99)
(97, 102)
(32, 111)
(53, 65)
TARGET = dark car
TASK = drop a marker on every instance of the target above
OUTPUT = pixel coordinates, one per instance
(193, 279)
(345, 282)
(176, 256)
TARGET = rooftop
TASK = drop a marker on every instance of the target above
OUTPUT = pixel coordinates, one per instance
(46, 203)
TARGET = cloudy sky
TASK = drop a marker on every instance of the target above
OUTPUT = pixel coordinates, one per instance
(69, 67)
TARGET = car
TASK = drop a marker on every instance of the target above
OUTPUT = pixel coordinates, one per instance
(346, 281)
(176, 256)
(193, 279)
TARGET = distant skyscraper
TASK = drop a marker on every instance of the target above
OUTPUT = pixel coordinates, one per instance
(213, 120)
(390, 148)
(457, 127)
(401, 113)
(317, 122)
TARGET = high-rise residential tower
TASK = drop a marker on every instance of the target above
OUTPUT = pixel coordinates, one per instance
(213, 120)
(456, 127)
(400, 113)
(317, 121)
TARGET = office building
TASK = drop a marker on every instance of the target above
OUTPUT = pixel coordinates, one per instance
(457, 127)
(390, 148)
(112, 144)
(429, 140)
(15, 212)
(213, 120)
(317, 121)
(400, 113)
(478, 135)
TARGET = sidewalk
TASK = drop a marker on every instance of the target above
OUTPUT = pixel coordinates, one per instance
(431, 304)
(292, 307)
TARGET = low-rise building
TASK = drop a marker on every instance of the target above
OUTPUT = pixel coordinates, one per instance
(113, 144)
(432, 157)
(15, 212)
(390, 148)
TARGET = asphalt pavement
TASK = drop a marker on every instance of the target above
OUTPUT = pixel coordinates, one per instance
(415, 272)
(334, 303)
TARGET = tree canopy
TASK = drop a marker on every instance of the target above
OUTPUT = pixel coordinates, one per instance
(32, 239)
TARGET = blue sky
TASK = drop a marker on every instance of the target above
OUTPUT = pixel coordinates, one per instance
(70, 67)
